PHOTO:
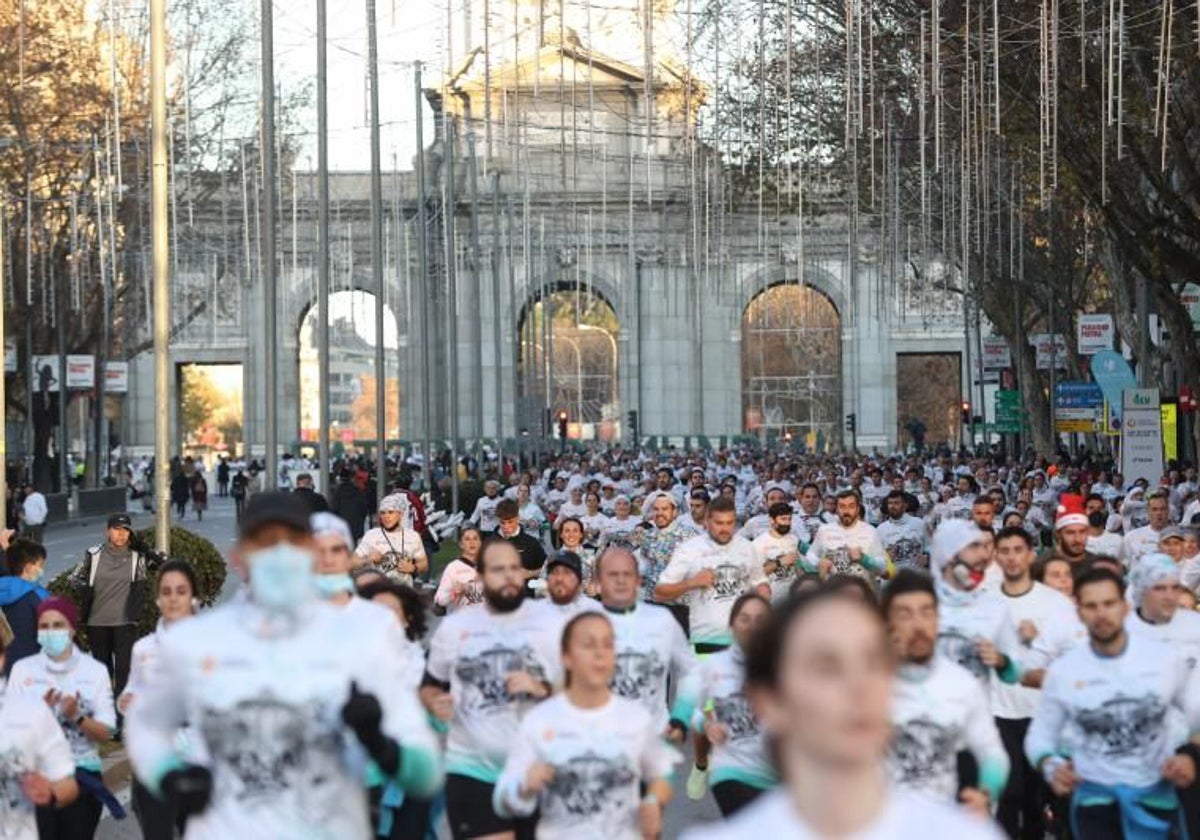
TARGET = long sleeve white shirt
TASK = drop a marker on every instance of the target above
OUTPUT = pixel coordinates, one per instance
(31, 741)
(736, 571)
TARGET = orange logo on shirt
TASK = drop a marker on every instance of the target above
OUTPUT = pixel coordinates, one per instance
(548, 733)
(208, 664)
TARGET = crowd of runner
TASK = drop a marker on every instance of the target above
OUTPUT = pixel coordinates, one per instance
(828, 646)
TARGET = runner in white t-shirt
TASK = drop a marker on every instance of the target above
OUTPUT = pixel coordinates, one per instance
(821, 676)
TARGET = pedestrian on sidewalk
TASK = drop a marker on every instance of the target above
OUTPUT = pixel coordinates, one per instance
(34, 511)
(181, 492)
(199, 490)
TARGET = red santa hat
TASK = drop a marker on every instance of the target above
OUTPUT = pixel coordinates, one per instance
(1070, 511)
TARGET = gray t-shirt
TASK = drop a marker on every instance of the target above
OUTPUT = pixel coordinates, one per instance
(110, 589)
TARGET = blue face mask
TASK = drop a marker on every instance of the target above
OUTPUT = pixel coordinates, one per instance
(335, 584)
(54, 642)
(281, 577)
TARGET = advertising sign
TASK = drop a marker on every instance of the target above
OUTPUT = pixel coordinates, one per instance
(1113, 374)
(995, 353)
(1094, 333)
(1047, 351)
(1170, 427)
(10, 355)
(1141, 436)
(45, 374)
(1189, 296)
(116, 377)
(81, 372)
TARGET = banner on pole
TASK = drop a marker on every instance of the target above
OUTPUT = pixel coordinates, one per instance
(1170, 431)
(116, 377)
(45, 374)
(996, 355)
(1050, 350)
(1113, 374)
(81, 372)
(1093, 333)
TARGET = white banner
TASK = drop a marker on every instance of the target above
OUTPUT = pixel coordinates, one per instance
(116, 377)
(81, 372)
(996, 355)
(1141, 436)
(10, 355)
(1094, 333)
(1189, 296)
(1046, 352)
(45, 373)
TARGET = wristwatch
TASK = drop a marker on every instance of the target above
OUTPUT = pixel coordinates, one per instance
(79, 721)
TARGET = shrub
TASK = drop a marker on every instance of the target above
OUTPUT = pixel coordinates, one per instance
(184, 545)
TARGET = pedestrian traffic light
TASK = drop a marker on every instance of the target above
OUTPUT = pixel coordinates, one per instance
(851, 423)
(966, 413)
(562, 425)
(635, 434)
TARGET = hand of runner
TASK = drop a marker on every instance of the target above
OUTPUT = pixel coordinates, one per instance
(51, 697)
(715, 732)
(769, 567)
(538, 776)
(36, 788)
(650, 820)
(519, 683)
(406, 566)
(68, 705)
(975, 801)
(1064, 779)
(855, 554)
(825, 567)
(988, 653)
(1027, 631)
(123, 702)
(704, 579)
(1179, 770)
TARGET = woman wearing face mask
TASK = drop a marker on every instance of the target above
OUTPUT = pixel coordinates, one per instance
(582, 757)
(175, 596)
(739, 766)
(286, 697)
(78, 689)
(36, 760)
(460, 585)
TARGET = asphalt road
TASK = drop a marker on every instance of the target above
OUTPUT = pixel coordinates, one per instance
(66, 543)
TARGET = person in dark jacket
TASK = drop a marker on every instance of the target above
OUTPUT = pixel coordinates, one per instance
(350, 503)
(181, 493)
(304, 489)
(111, 585)
(20, 594)
(533, 555)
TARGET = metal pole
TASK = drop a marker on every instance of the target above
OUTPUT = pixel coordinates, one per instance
(451, 304)
(267, 246)
(423, 282)
(1053, 374)
(377, 256)
(477, 286)
(162, 280)
(3, 395)
(323, 454)
(497, 357)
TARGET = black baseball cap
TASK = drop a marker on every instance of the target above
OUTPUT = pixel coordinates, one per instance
(276, 507)
(569, 559)
(120, 520)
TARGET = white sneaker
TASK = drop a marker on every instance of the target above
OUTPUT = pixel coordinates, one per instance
(697, 783)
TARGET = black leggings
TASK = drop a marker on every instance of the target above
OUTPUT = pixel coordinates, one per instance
(1103, 822)
(157, 819)
(733, 796)
(469, 810)
(1020, 809)
(113, 647)
(71, 822)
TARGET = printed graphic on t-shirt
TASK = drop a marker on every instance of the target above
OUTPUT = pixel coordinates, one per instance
(734, 713)
(471, 592)
(962, 650)
(729, 581)
(638, 674)
(843, 565)
(784, 571)
(1123, 726)
(264, 748)
(484, 675)
(810, 524)
(583, 789)
(920, 749)
(906, 552)
(12, 799)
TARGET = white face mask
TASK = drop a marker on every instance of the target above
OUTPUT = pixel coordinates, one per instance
(281, 577)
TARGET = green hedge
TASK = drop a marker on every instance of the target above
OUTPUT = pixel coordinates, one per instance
(184, 545)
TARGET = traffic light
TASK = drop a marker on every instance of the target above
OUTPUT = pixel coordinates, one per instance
(635, 434)
(966, 413)
(851, 423)
(562, 425)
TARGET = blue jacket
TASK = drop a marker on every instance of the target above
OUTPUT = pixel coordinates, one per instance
(19, 600)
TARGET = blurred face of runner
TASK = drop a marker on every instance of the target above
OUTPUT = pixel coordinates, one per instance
(589, 654)
(1072, 540)
(810, 500)
(593, 503)
(1014, 557)
(389, 520)
(847, 510)
(1102, 609)
(1172, 548)
(697, 507)
(774, 496)
(749, 619)
(174, 596)
(563, 585)
(831, 702)
(572, 534)
(721, 524)
(912, 622)
(332, 554)
(663, 512)
(621, 508)
(895, 507)
(469, 544)
(1159, 602)
(503, 578)
(618, 578)
(1159, 513)
(782, 524)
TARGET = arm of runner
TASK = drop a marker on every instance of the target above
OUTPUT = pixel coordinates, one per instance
(523, 777)
(1045, 729)
(675, 580)
(155, 719)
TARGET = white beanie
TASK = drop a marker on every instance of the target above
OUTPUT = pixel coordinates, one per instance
(951, 537)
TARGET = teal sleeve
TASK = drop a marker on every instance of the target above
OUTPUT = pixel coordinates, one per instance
(874, 565)
(1011, 672)
(993, 776)
(420, 771)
